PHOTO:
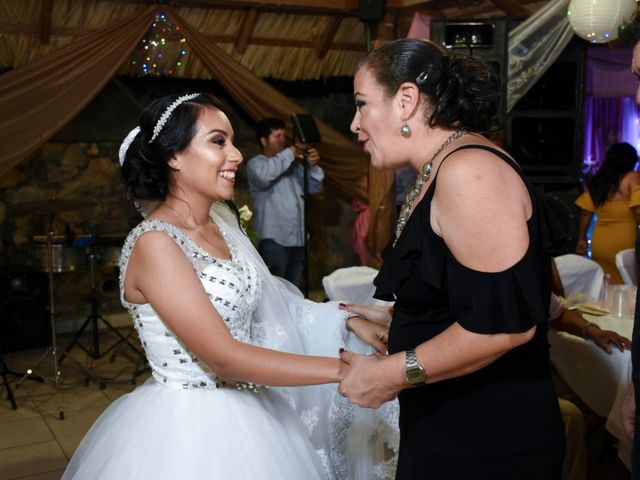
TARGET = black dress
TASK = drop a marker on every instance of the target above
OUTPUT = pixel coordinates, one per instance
(503, 421)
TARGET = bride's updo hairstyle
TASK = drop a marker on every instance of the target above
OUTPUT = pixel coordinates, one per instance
(463, 91)
(145, 170)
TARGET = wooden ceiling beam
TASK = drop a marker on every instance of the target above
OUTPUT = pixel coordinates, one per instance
(320, 7)
(246, 30)
(46, 10)
(326, 39)
(12, 29)
(512, 8)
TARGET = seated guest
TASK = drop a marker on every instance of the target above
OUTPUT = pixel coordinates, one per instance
(570, 321)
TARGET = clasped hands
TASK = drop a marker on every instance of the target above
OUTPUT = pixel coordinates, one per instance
(371, 380)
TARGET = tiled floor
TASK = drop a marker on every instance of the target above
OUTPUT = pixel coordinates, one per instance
(36, 445)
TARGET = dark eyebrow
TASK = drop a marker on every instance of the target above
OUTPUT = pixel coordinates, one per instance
(217, 130)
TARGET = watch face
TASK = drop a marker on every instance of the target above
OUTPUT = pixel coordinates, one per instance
(414, 375)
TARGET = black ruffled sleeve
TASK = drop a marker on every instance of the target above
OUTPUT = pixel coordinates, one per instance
(511, 301)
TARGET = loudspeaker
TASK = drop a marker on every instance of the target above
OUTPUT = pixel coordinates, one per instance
(305, 128)
(485, 38)
(545, 128)
(371, 10)
(24, 322)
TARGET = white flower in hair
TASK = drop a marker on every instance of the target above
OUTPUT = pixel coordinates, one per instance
(167, 114)
(126, 143)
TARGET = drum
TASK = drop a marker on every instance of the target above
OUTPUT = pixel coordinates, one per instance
(65, 258)
(110, 245)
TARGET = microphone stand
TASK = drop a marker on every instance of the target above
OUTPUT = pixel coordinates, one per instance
(305, 211)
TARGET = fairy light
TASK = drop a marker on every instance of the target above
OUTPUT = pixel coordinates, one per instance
(163, 50)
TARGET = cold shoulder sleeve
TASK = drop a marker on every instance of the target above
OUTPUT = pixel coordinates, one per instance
(585, 203)
(634, 200)
(511, 301)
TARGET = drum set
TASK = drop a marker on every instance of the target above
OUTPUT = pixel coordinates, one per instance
(53, 254)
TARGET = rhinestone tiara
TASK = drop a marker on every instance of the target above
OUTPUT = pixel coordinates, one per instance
(126, 143)
(167, 114)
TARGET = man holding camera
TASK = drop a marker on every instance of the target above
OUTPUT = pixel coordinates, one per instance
(276, 182)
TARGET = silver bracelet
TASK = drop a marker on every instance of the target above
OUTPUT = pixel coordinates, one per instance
(586, 327)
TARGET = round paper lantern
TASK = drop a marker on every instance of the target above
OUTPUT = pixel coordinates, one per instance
(598, 20)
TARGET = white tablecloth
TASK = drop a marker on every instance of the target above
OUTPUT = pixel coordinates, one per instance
(599, 379)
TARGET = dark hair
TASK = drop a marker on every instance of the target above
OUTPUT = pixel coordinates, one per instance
(629, 31)
(145, 172)
(464, 91)
(266, 126)
(621, 158)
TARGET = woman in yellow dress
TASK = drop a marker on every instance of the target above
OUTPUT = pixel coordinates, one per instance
(614, 194)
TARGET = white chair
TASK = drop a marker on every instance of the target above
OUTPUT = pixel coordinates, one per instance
(351, 285)
(580, 275)
(626, 263)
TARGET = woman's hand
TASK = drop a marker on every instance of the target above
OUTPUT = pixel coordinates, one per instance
(374, 313)
(369, 332)
(372, 380)
(581, 247)
(603, 338)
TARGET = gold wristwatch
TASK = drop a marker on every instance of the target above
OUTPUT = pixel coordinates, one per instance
(414, 372)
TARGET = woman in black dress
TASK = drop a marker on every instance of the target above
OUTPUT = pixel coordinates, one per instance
(469, 270)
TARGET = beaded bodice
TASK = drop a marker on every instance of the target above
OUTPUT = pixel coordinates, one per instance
(234, 288)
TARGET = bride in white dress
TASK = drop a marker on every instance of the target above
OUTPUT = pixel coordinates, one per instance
(225, 340)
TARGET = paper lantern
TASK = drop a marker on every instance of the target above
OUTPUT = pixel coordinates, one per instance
(598, 20)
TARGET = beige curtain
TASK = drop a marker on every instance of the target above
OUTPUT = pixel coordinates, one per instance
(38, 99)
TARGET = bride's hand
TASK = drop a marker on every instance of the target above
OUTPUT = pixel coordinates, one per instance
(370, 333)
(374, 313)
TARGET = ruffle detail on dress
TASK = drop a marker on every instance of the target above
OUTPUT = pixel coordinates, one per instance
(401, 261)
(634, 199)
(585, 203)
(511, 301)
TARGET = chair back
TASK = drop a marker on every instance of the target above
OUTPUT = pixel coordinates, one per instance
(626, 263)
(580, 275)
(351, 285)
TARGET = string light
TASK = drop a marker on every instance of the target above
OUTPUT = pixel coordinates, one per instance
(162, 51)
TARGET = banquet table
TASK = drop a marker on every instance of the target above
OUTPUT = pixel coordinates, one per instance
(598, 378)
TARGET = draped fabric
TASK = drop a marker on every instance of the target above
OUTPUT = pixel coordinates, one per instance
(534, 45)
(41, 97)
(607, 121)
(38, 99)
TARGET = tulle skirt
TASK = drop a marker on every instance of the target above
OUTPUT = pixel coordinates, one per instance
(159, 432)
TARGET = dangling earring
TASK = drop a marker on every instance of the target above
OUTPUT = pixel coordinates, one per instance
(405, 131)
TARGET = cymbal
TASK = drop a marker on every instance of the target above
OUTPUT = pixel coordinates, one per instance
(53, 205)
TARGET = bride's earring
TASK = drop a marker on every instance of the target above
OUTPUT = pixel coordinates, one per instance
(405, 131)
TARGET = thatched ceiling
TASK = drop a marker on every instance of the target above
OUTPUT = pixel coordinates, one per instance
(286, 39)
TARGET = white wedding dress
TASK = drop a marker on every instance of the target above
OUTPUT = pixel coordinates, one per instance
(186, 423)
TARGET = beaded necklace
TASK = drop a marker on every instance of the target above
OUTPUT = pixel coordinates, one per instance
(405, 210)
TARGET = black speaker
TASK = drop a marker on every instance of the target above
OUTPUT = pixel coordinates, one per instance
(545, 128)
(485, 38)
(371, 10)
(305, 128)
(24, 322)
